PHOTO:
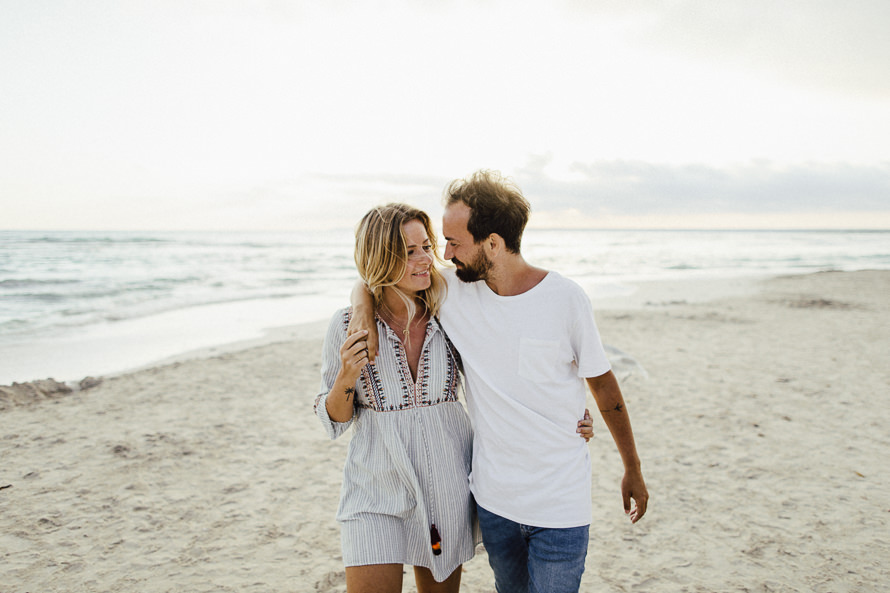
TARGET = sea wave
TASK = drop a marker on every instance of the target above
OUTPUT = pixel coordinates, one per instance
(51, 281)
(56, 239)
(14, 283)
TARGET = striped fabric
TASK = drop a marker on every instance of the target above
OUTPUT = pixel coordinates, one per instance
(408, 460)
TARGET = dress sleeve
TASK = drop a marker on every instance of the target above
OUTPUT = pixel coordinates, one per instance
(330, 366)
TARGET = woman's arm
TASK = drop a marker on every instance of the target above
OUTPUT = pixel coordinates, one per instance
(340, 401)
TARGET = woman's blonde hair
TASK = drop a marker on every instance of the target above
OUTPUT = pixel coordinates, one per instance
(381, 255)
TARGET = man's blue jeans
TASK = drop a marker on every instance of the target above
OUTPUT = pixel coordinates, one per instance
(528, 559)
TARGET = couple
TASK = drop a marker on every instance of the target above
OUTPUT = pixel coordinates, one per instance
(416, 474)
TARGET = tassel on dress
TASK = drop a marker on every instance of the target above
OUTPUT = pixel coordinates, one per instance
(436, 540)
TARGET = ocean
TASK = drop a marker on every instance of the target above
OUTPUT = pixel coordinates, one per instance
(78, 303)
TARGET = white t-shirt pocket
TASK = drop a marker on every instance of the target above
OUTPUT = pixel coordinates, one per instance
(538, 359)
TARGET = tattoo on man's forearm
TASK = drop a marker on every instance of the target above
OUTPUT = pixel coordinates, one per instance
(350, 391)
(617, 408)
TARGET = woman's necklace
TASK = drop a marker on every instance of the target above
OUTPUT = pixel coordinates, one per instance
(390, 318)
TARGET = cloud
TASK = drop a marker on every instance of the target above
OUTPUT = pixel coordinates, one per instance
(319, 200)
(279, 114)
(824, 44)
(636, 187)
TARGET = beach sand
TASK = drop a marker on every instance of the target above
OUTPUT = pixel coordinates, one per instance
(762, 422)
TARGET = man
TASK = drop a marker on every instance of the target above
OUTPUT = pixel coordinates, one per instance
(529, 342)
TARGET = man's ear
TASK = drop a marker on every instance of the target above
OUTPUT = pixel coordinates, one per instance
(494, 245)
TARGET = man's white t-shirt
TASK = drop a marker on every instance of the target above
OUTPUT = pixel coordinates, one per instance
(525, 358)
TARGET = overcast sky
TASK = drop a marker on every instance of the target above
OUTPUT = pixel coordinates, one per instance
(225, 114)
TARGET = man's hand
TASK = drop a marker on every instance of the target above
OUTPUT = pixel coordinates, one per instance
(363, 317)
(585, 426)
(632, 486)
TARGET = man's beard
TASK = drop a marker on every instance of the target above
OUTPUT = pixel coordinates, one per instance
(476, 271)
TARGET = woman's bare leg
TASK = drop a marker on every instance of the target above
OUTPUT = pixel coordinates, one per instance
(374, 578)
(427, 584)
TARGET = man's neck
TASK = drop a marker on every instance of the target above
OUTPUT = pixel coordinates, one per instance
(514, 276)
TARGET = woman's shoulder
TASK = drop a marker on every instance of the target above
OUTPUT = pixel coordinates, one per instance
(339, 321)
(341, 314)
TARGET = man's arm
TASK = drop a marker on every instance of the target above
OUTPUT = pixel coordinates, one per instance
(363, 317)
(610, 402)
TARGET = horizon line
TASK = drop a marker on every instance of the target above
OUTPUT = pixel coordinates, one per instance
(545, 228)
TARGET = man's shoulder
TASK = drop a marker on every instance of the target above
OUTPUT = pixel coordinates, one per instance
(559, 283)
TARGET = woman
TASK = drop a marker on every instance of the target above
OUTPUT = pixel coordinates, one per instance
(405, 497)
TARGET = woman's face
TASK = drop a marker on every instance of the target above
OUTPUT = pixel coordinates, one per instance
(420, 257)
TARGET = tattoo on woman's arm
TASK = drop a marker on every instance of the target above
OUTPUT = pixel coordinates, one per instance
(350, 391)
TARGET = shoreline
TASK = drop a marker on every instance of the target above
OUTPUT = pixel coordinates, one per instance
(138, 344)
(758, 422)
(135, 344)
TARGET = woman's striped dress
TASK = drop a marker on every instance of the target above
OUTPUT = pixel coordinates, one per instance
(410, 454)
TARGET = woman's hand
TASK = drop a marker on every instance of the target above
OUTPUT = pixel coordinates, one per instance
(585, 426)
(353, 356)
